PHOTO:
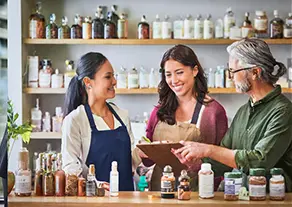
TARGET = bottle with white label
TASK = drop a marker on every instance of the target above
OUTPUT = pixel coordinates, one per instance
(277, 184)
(219, 29)
(178, 28)
(153, 78)
(33, 71)
(114, 180)
(70, 72)
(206, 181)
(219, 77)
(122, 78)
(36, 117)
(229, 21)
(45, 74)
(143, 78)
(288, 27)
(208, 27)
(166, 28)
(133, 78)
(198, 27)
(188, 27)
(57, 80)
(157, 28)
(23, 174)
(57, 120)
(47, 122)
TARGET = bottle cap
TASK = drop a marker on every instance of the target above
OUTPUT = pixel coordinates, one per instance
(114, 8)
(57, 71)
(246, 14)
(143, 18)
(228, 10)
(92, 169)
(233, 175)
(52, 17)
(64, 20)
(157, 17)
(58, 111)
(167, 169)
(47, 113)
(276, 13)
(290, 14)
(166, 17)
(206, 167)
(183, 176)
(276, 171)
(199, 16)
(257, 171)
(260, 13)
(114, 165)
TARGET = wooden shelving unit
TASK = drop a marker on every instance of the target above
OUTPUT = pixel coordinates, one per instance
(133, 91)
(45, 135)
(143, 42)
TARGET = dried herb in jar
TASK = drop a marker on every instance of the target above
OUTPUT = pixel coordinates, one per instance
(257, 184)
(71, 188)
(52, 28)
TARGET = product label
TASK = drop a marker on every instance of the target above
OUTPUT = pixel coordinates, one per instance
(90, 188)
(67, 80)
(288, 32)
(133, 81)
(178, 29)
(218, 31)
(208, 30)
(232, 186)
(198, 29)
(245, 32)
(57, 81)
(167, 186)
(86, 31)
(277, 190)
(33, 29)
(188, 29)
(277, 31)
(144, 80)
(143, 32)
(114, 184)
(261, 24)
(23, 184)
(97, 30)
(206, 185)
(166, 30)
(157, 30)
(45, 80)
(257, 190)
(121, 29)
(228, 23)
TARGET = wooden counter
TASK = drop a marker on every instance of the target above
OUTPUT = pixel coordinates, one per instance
(127, 199)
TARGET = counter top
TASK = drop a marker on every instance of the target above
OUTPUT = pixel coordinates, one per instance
(127, 199)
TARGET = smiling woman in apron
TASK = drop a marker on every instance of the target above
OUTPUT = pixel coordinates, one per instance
(94, 131)
(185, 111)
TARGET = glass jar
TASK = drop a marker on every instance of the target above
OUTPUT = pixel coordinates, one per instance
(257, 184)
(276, 26)
(277, 185)
(52, 28)
(64, 30)
(97, 25)
(133, 78)
(76, 29)
(143, 29)
(37, 27)
(110, 30)
(261, 24)
(45, 74)
(232, 184)
(71, 187)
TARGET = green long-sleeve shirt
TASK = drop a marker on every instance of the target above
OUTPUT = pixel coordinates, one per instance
(261, 135)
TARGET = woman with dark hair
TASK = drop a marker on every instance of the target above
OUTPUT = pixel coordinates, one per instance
(95, 131)
(185, 111)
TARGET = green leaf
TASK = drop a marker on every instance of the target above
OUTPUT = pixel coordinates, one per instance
(26, 137)
(15, 117)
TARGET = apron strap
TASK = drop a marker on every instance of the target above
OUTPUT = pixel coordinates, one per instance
(196, 113)
(90, 117)
(115, 114)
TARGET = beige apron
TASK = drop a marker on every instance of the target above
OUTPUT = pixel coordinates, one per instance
(174, 133)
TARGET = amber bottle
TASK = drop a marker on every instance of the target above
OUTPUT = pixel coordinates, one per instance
(37, 25)
(52, 28)
(143, 29)
(276, 26)
(60, 177)
(64, 30)
(97, 25)
(110, 30)
(48, 178)
(76, 29)
(38, 183)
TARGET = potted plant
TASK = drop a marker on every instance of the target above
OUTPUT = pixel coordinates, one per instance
(14, 132)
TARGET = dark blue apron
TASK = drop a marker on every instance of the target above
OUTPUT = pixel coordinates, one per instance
(107, 146)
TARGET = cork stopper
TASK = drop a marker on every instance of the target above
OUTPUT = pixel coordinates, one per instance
(92, 169)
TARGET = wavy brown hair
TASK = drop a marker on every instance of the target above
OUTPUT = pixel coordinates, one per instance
(167, 98)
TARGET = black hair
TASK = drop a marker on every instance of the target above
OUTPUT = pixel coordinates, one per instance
(167, 98)
(87, 66)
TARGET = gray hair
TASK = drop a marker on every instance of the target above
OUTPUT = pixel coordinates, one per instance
(255, 52)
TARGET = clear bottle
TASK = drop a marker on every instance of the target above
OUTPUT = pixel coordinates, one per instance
(211, 78)
(246, 29)
(235, 33)
(123, 27)
(198, 27)
(114, 180)
(70, 72)
(23, 174)
(52, 28)
(60, 177)
(229, 21)
(133, 78)
(57, 120)
(143, 78)
(178, 28)
(90, 183)
(48, 178)
(167, 183)
(219, 77)
(288, 27)
(122, 78)
(76, 28)
(153, 78)
(277, 185)
(110, 30)
(36, 117)
(261, 24)
(57, 79)
(37, 27)
(143, 29)
(38, 179)
(257, 184)
(166, 28)
(208, 27)
(64, 29)
(97, 25)
(47, 122)
(184, 188)
(157, 28)
(219, 29)
(87, 28)
(188, 27)
(276, 26)
(45, 74)
(206, 181)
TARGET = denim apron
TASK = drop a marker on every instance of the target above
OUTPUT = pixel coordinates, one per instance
(107, 146)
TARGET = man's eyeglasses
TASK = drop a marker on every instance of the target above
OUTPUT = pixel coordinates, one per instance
(232, 71)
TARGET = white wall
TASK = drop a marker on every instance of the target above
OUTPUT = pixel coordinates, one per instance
(148, 56)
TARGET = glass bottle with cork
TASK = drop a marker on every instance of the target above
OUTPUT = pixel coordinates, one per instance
(57, 120)
(143, 29)
(23, 174)
(90, 183)
(52, 28)
(184, 189)
(157, 28)
(76, 28)
(110, 30)
(277, 185)
(123, 27)
(87, 28)
(198, 27)
(167, 183)
(288, 27)
(208, 27)
(261, 24)
(60, 177)
(64, 29)
(70, 72)
(37, 27)
(36, 117)
(38, 180)
(246, 29)
(115, 17)
(48, 178)
(276, 26)
(97, 25)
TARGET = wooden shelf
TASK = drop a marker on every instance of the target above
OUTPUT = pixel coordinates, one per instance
(45, 135)
(144, 41)
(133, 91)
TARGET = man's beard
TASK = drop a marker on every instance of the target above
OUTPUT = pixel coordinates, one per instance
(243, 86)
